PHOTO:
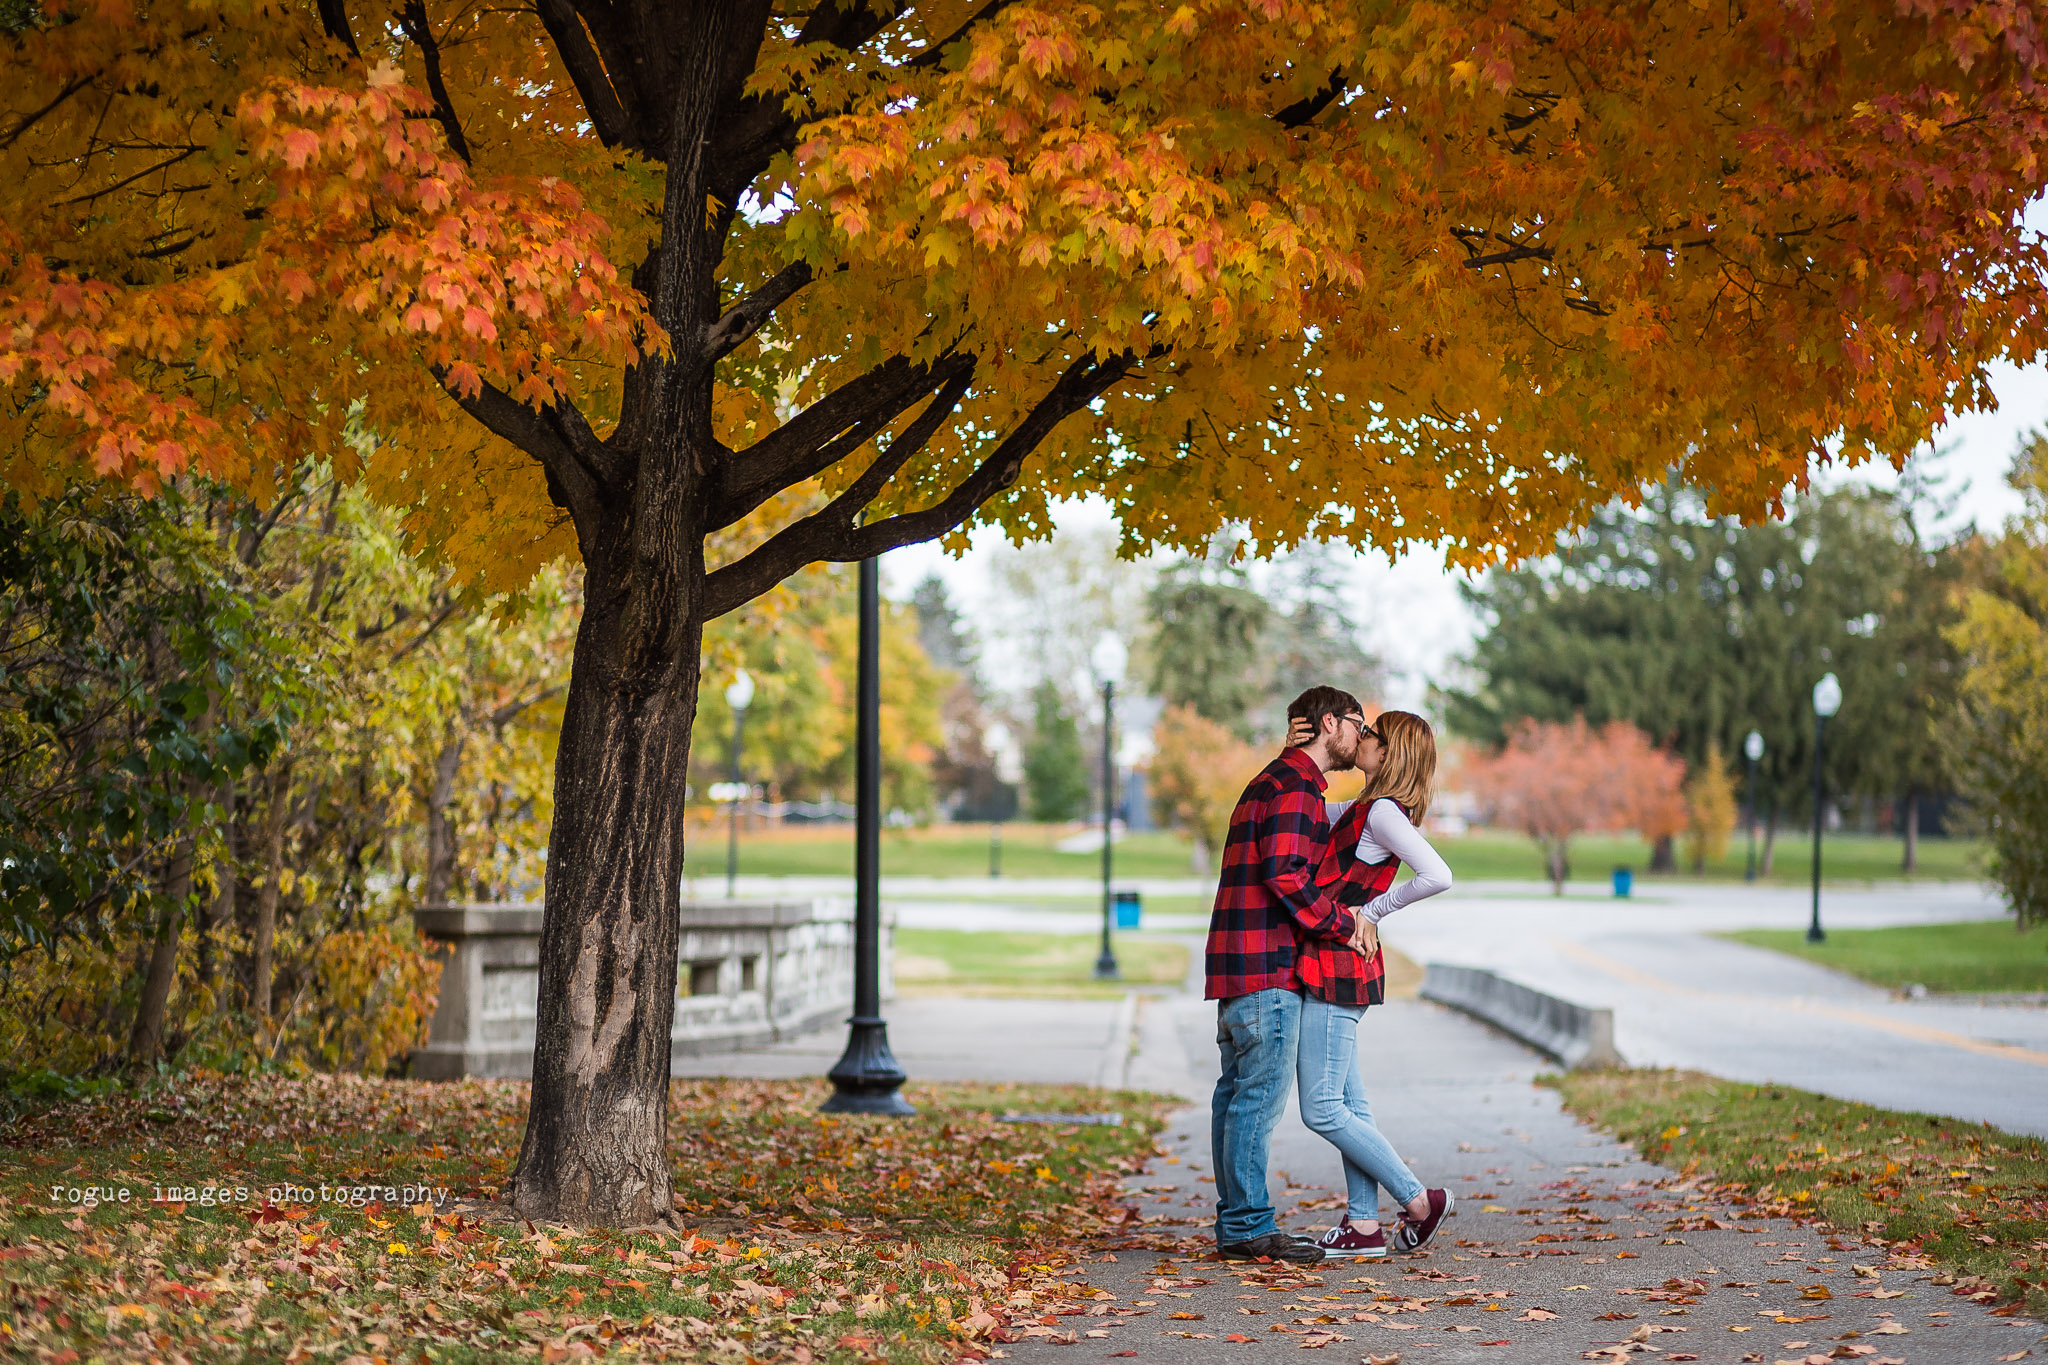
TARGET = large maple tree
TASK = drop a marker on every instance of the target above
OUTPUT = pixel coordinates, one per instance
(705, 292)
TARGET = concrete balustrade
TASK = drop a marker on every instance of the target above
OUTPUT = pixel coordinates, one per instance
(747, 972)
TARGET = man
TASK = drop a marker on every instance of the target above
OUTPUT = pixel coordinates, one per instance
(1266, 898)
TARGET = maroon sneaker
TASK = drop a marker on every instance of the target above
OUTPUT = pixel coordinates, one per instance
(1414, 1233)
(1346, 1243)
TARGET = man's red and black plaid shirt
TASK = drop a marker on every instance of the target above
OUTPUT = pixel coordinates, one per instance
(1269, 897)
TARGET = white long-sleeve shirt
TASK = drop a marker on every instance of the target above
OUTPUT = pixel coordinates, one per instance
(1388, 834)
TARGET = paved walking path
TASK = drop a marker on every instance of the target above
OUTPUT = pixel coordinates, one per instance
(1684, 998)
(1565, 1242)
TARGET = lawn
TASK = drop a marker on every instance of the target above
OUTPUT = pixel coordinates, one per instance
(1031, 850)
(938, 850)
(1971, 1198)
(1486, 855)
(931, 960)
(1984, 955)
(809, 1238)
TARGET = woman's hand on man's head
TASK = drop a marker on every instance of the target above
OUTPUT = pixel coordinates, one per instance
(1299, 731)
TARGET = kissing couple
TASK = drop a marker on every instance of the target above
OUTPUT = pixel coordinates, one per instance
(1293, 962)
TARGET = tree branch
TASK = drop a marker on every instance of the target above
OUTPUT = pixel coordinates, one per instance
(334, 19)
(413, 19)
(936, 53)
(746, 317)
(1304, 111)
(830, 534)
(757, 127)
(608, 114)
(556, 436)
(824, 433)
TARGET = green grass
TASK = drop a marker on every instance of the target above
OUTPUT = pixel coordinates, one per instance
(943, 850)
(1030, 850)
(1030, 964)
(1972, 1198)
(1489, 855)
(1984, 955)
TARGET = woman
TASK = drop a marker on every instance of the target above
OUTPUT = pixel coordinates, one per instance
(1397, 755)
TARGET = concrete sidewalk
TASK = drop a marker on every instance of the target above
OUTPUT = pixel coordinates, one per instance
(1565, 1242)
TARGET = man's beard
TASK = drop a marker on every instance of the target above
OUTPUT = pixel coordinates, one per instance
(1344, 762)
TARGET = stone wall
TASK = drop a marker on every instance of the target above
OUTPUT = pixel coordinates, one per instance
(747, 972)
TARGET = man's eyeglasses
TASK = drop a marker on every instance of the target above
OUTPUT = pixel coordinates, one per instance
(1364, 731)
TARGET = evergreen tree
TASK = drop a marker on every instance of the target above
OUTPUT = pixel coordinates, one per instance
(1208, 633)
(1698, 629)
(1055, 767)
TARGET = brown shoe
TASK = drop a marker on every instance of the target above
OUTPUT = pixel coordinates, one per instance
(1414, 1233)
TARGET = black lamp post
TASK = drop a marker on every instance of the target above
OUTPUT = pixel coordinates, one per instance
(739, 697)
(996, 740)
(1753, 750)
(1827, 699)
(1109, 659)
(866, 1077)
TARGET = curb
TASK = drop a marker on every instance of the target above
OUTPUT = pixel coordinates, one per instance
(1113, 1070)
(1576, 1036)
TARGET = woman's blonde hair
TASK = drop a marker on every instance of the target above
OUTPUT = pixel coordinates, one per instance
(1410, 763)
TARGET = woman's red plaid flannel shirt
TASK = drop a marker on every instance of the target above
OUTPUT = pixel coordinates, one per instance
(1269, 898)
(1338, 972)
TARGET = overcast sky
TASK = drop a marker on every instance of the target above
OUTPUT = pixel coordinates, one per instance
(1411, 609)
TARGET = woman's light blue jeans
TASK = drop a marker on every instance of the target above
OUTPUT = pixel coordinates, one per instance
(1334, 1107)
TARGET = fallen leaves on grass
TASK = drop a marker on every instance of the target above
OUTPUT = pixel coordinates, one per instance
(805, 1235)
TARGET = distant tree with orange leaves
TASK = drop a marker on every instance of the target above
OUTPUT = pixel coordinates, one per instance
(1555, 782)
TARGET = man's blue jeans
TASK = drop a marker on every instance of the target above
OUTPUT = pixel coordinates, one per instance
(1257, 1035)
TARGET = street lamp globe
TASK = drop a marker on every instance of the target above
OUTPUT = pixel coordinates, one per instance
(1827, 696)
(1109, 659)
(740, 695)
(1753, 746)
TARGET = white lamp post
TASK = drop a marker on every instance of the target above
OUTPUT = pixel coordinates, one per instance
(1753, 750)
(739, 696)
(1827, 699)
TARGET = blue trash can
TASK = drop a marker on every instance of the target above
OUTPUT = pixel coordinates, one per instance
(1624, 882)
(1128, 908)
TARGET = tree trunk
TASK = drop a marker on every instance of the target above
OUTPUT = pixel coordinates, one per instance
(266, 905)
(1198, 857)
(1558, 860)
(596, 1145)
(222, 908)
(1911, 862)
(440, 826)
(1763, 862)
(146, 1042)
(1663, 856)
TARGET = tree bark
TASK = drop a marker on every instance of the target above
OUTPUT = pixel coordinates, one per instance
(1663, 855)
(440, 826)
(1911, 861)
(266, 905)
(1557, 856)
(1763, 861)
(146, 1042)
(596, 1144)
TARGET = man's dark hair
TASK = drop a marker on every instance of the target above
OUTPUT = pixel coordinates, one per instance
(1319, 702)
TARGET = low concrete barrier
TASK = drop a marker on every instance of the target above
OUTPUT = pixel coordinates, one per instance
(747, 972)
(1576, 1035)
